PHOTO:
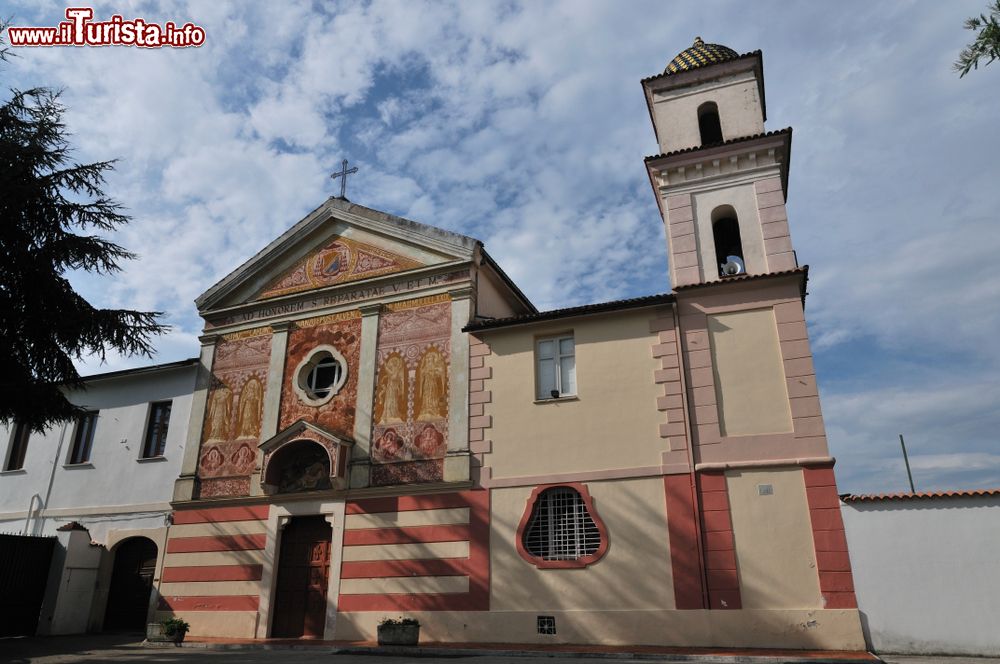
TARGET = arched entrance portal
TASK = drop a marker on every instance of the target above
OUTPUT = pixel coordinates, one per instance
(303, 577)
(131, 583)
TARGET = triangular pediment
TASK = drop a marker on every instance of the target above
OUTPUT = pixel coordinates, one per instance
(302, 429)
(338, 243)
(339, 261)
(285, 468)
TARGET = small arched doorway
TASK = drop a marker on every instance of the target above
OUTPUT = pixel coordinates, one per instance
(131, 583)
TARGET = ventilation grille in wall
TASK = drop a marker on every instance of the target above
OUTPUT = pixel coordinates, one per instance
(546, 624)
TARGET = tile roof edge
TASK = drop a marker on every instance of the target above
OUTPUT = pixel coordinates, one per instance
(722, 144)
(919, 495)
(802, 269)
(582, 310)
(151, 368)
(665, 74)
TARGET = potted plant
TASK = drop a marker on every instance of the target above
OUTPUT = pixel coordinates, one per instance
(175, 629)
(398, 632)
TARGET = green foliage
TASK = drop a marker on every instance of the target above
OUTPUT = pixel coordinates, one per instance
(986, 46)
(172, 626)
(394, 622)
(45, 199)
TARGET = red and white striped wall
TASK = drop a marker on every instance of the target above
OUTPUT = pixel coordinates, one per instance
(213, 564)
(416, 553)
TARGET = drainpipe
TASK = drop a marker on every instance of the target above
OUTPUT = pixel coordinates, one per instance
(27, 517)
(52, 475)
(695, 497)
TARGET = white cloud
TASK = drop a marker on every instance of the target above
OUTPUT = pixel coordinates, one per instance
(524, 124)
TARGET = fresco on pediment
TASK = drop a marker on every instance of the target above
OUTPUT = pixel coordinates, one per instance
(343, 332)
(233, 412)
(307, 468)
(410, 422)
(339, 261)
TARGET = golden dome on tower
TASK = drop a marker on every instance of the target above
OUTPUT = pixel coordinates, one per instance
(699, 55)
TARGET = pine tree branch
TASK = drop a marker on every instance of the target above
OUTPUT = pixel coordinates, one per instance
(985, 47)
(44, 323)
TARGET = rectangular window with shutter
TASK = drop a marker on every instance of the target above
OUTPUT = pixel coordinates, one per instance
(156, 430)
(555, 370)
(18, 447)
(83, 438)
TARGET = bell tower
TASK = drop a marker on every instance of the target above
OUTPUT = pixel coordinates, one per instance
(720, 179)
(743, 420)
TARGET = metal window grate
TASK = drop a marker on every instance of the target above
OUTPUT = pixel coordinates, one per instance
(560, 527)
(546, 624)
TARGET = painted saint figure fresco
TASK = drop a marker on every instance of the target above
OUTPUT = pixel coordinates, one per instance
(392, 391)
(430, 443)
(432, 386)
(212, 460)
(244, 459)
(388, 447)
(219, 409)
(250, 409)
(306, 468)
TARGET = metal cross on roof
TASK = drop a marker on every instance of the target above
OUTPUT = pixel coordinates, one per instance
(343, 173)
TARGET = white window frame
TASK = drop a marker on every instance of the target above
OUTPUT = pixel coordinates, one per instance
(300, 379)
(558, 358)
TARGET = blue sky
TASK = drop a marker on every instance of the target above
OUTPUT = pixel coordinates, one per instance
(523, 124)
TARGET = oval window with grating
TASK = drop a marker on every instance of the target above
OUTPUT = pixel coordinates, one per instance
(560, 529)
(320, 375)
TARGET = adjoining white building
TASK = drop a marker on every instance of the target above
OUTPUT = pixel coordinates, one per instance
(101, 484)
(926, 570)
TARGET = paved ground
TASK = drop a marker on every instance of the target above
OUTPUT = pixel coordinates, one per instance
(912, 659)
(128, 648)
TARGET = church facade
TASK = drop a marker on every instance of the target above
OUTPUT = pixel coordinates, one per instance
(383, 424)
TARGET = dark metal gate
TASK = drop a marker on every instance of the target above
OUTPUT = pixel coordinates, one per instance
(24, 570)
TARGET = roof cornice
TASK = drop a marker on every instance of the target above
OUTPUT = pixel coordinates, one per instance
(743, 154)
(570, 312)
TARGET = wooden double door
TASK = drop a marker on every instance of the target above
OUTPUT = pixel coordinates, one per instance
(303, 578)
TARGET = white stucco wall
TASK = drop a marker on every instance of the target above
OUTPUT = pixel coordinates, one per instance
(115, 490)
(927, 573)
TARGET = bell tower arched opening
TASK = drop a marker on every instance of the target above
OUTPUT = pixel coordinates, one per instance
(728, 244)
(709, 125)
